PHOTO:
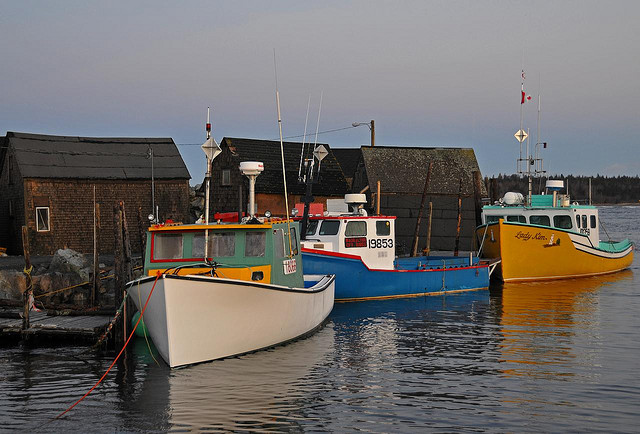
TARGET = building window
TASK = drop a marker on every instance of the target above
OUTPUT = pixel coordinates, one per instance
(226, 177)
(42, 219)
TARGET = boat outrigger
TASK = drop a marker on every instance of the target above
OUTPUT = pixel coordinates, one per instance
(219, 290)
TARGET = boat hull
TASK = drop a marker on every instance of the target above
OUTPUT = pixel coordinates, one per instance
(529, 252)
(355, 281)
(193, 319)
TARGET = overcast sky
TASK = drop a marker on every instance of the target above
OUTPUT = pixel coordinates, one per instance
(443, 73)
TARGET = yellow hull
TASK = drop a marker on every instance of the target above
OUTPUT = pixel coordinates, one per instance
(538, 253)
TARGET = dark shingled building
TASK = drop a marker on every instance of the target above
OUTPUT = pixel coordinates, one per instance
(226, 176)
(47, 183)
(402, 172)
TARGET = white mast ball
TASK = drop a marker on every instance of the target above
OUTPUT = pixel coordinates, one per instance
(251, 168)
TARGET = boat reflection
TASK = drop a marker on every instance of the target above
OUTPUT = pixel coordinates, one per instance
(549, 329)
(255, 392)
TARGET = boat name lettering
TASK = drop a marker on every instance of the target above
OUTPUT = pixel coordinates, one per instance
(526, 236)
(290, 266)
(585, 231)
(355, 242)
(380, 243)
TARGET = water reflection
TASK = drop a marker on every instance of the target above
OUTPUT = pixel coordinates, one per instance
(264, 390)
(551, 329)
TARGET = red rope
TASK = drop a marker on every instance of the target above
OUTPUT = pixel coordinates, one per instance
(119, 354)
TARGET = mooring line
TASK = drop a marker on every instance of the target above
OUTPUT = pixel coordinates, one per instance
(117, 357)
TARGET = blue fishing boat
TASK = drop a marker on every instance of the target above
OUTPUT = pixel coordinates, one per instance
(360, 250)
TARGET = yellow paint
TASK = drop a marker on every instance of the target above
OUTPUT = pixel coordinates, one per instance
(243, 273)
(535, 253)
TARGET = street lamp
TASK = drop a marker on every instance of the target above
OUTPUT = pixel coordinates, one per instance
(372, 128)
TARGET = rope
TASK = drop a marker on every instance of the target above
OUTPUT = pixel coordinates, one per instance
(56, 291)
(112, 323)
(119, 354)
(605, 230)
(144, 329)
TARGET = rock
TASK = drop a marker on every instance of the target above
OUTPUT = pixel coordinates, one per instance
(12, 285)
(70, 261)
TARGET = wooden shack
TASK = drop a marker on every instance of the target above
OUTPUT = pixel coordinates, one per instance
(47, 183)
(229, 186)
(402, 172)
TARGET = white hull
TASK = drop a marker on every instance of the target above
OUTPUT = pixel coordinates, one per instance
(194, 319)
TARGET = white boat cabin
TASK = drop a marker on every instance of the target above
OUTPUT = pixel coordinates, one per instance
(550, 210)
(372, 238)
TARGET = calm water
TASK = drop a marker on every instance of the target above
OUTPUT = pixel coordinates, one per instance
(561, 356)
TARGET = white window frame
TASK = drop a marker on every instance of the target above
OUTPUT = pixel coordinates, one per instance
(48, 228)
(226, 182)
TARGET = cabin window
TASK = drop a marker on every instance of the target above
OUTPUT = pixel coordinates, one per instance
(494, 218)
(220, 244)
(312, 225)
(584, 221)
(167, 246)
(562, 221)
(383, 228)
(593, 221)
(356, 229)
(226, 176)
(42, 219)
(255, 244)
(541, 220)
(512, 218)
(330, 227)
(278, 243)
(577, 220)
(294, 241)
(522, 219)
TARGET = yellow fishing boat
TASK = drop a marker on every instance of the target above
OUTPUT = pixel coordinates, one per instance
(550, 238)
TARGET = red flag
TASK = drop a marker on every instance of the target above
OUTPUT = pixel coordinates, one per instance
(522, 100)
(524, 97)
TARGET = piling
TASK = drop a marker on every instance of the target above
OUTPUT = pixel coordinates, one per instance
(28, 292)
(416, 234)
(96, 260)
(118, 332)
(457, 245)
(378, 197)
(477, 195)
(427, 249)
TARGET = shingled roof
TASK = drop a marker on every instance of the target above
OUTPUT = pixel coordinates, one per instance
(348, 159)
(332, 181)
(44, 156)
(403, 170)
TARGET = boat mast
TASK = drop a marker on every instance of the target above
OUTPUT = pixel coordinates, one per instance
(284, 173)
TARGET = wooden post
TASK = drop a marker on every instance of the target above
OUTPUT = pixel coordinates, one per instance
(27, 271)
(373, 133)
(127, 269)
(416, 234)
(455, 250)
(96, 260)
(494, 190)
(143, 235)
(378, 198)
(477, 194)
(118, 251)
(428, 248)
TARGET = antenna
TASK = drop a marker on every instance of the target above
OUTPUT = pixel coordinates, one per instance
(315, 145)
(304, 136)
(284, 173)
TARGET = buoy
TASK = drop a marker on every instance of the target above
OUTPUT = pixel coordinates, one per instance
(142, 328)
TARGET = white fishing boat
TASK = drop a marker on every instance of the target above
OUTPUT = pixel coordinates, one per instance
(217, 290)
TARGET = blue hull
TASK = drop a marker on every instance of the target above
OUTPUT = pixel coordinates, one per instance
(411, 276)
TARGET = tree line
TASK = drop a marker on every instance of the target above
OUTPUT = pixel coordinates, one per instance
(604, 189)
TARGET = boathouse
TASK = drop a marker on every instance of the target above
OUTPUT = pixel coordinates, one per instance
(402, 172)
(47, 183)
(229, 186)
